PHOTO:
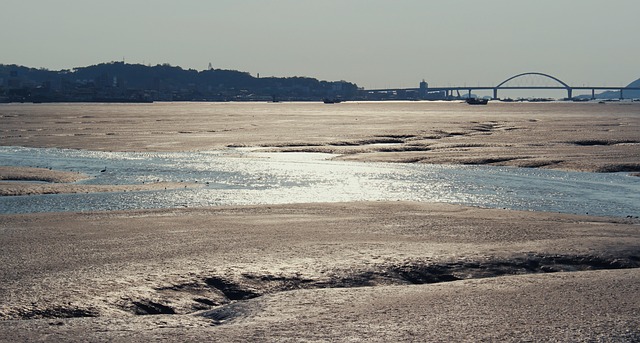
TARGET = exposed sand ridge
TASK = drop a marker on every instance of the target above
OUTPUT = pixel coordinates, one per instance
(568, 136)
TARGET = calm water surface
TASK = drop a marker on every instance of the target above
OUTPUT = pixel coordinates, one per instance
(240, 177)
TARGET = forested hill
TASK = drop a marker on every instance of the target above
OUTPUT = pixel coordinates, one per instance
(166, 82)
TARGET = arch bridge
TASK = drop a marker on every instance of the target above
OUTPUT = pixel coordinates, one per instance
(561, 85)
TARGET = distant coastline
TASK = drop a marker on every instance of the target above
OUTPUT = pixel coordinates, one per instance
(119, 82)
(122, 82)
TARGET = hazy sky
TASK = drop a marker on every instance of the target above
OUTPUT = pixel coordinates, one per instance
(374, 43)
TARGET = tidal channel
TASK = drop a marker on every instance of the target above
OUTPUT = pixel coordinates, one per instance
(242, 177)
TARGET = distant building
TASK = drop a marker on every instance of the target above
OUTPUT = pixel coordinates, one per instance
(423, 89)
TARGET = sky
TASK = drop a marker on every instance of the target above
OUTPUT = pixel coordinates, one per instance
(373, 43)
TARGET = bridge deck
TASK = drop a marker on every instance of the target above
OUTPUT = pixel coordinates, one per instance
(466, 88)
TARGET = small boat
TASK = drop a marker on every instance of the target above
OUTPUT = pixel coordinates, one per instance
(476, 101)
(331, 101)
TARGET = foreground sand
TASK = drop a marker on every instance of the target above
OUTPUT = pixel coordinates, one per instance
(362, 271)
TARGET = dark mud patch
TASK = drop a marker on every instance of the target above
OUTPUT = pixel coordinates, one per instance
(422, 272)
(596, 142)
(283, 145)
(56, 312)
(206, 302)
(463, 145)
(619, 168)
(231, 290)
(441, 134)
(488, 160)
(404, 137)
(273, 283)
(404, 148)
(147, 307)
(379, 140)
(525, 163)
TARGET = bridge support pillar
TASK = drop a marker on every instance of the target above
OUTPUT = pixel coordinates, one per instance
(621, 94)
(495, 94)
(569, 93)
(469, 94)
(593, 94)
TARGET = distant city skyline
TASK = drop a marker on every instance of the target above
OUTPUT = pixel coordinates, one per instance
(376, 44)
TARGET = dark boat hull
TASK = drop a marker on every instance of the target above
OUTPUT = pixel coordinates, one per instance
(476, 101)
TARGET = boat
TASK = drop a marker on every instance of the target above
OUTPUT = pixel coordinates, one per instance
(331, 101)
(476, 101)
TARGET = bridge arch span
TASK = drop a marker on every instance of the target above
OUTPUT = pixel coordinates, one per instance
(534, 73)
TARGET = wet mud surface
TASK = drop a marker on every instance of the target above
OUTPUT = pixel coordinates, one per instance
(193, 273)
(568, 136)
(214, 294)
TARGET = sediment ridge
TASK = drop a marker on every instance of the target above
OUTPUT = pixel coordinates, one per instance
(567, 136)
(211, 295)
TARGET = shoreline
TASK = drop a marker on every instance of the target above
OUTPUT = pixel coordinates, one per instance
(21, 181)
(17, 174)
(25, 189)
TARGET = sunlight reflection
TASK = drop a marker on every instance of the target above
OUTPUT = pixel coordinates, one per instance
(240, 177)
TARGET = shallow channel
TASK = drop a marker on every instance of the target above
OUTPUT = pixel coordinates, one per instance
(240, 177)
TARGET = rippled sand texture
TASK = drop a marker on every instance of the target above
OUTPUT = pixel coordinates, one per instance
(576, 136)
(366, 271)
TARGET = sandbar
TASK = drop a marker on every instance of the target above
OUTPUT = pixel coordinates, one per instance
(36, 181)
(568, 136)
(39, 174)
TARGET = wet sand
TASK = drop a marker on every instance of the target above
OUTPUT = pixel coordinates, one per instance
(571, 136)
(21, 188)
(35, 181)
(374, 271)
(39, 174)
(368, 271)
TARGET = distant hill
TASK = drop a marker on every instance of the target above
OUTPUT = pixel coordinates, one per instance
(632, 94)
(119, 80)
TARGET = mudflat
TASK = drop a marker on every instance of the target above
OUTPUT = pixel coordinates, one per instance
(573, 136)
(363, 271)
(370, 271)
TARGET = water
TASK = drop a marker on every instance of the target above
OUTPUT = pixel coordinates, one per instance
(241, 177)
